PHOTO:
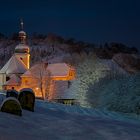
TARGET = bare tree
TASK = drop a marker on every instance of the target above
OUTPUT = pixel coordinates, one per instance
(41, 78)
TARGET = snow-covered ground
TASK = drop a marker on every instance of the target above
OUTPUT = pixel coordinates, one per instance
(52, 121)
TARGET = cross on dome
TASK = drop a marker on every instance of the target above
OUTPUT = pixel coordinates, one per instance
(22, 34)
(21, 24)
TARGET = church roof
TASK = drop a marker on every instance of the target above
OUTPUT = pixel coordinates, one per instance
(22, 46)
(59, 69)
(14, 81)
(56, 70)
(22, 32)
(14, 66)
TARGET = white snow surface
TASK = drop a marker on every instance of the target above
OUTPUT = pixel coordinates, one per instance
(56, 69)
(52, 121)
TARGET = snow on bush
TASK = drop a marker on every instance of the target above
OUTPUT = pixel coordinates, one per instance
(122, 94)
(88, 71)
(103, 84)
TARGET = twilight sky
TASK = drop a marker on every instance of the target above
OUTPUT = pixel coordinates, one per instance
(88, 20)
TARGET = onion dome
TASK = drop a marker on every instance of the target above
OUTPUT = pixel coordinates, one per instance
(22, 47)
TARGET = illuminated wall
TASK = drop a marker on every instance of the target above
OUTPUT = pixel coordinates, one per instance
(25, 57)
(33, 83)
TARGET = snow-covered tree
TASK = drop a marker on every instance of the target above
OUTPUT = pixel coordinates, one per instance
(88, 71)
(120, 94)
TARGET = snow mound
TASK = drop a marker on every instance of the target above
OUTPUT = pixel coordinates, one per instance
(58, 122)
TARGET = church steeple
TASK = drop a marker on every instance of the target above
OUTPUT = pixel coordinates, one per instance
(22, 50)
(22, 34)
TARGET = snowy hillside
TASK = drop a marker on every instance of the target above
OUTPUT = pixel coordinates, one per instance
(118, 94)
(58, 122)
(99, 78)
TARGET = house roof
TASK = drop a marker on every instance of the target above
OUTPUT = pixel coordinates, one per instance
(14, 66)
(22, 46)
(14, 81)
(57, 69)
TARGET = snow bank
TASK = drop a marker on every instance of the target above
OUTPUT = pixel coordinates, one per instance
(58, 122)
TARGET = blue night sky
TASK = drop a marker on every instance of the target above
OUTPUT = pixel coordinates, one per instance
(96, 21)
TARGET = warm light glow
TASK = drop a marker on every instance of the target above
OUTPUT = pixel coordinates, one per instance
(28, 61)
(32, 82)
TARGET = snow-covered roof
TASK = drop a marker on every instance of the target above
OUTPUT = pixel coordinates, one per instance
(57, 69)
(22, 32)
(14, 66)
(14, 81)
(22, 46)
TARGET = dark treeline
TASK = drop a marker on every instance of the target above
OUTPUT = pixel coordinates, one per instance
(45, 46)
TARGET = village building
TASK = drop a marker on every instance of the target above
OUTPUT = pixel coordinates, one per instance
(46, 80)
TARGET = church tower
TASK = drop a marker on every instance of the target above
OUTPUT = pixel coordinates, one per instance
(22, 50)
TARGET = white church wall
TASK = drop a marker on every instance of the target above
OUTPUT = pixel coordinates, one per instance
(2, 80)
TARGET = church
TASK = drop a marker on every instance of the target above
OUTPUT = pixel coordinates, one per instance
(48, 81)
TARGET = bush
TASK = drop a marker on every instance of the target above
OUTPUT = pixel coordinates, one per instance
(11, 105)
(27, 99)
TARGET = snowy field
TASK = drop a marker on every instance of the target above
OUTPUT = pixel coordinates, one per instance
(60, 122)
